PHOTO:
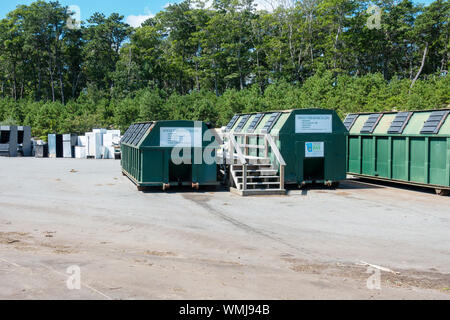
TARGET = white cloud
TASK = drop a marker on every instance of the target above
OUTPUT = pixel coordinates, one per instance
(207, 4)
(267, 5)
(168, 4)
(271, 5)
(137, 20)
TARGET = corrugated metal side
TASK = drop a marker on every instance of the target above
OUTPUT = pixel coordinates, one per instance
(410, 157)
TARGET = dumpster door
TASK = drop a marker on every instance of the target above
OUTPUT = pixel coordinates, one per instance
(311, 160)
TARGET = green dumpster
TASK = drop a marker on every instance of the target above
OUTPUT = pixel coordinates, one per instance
(169, 153)
(410, 147)
(266, 151)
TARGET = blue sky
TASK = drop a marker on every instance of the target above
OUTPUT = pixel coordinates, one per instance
(135, 11)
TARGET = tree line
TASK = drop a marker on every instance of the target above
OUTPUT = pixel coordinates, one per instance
(196, 62)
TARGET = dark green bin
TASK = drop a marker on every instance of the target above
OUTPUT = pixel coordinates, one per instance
(147, 154)
(310, 142)
(411, 147)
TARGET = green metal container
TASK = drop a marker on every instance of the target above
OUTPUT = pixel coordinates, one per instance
(311, 143)
(169, 153)
(410, 147)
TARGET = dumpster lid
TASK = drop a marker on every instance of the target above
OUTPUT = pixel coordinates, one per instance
(127, 135)
(350, 120)
(255, 122)
(371, 123)
(271, 122)
(232, 122)
(141, 132)
(400, 122)
(434, 122)
(135, 133)
(242, 123)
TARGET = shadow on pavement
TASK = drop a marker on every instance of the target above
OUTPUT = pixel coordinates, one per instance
(385, 184)
(185, 189)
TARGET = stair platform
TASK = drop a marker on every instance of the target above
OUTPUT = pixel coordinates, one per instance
(259, 192)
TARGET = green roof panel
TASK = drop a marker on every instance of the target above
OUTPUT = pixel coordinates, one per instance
(359, 123)
(384, 124)
(416, 122)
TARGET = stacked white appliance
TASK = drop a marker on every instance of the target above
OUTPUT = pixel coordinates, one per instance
(98, 144)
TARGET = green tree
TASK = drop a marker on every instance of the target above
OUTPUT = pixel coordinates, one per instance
(104, 38)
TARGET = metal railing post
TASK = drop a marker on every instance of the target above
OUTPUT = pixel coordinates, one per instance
(266, 146)
(244, 177)
(230, 150)
(281, 177)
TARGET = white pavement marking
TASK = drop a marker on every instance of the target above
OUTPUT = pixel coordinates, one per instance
(11, 263)
(61, 274)
(82, 284)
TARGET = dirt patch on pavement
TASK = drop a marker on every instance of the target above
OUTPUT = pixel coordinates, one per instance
(401, 278)
(160, 253)
(25, 242)
(13, 237)
(57, 248)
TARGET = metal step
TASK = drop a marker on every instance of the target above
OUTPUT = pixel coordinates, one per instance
(268, 171)
(256, 166)
(260, 183)
(252, 146)
(259, 177)
(258, 192)
(257, 160)
(255, 157)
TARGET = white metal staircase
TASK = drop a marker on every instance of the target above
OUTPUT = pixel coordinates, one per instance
(250, 174)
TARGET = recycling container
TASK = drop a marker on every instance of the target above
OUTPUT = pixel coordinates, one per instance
(411, 147)
(275, 148)
(169, 153)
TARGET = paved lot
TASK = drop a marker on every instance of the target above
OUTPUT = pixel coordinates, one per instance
(56, 213)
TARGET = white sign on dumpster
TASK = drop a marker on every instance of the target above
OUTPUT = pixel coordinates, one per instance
(313, 123)
(180, 137)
